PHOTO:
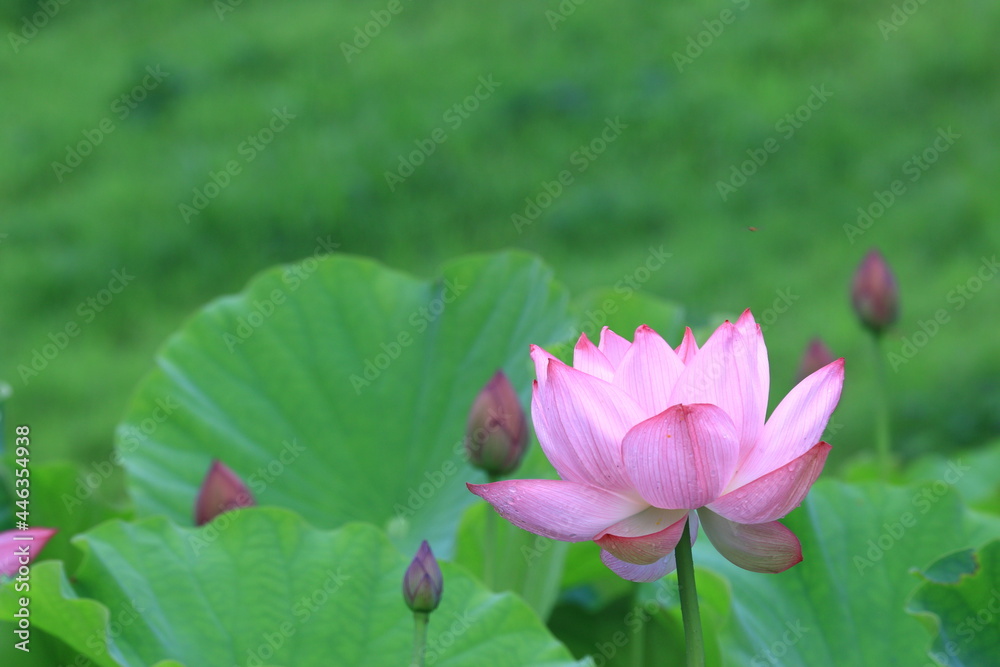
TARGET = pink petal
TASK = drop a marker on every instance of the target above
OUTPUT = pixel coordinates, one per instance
(683, 457)
(775, 494)
(796, 425)
(648, 371)
(688, 347)
(754, 338)
(613, 346)
(563, 457)
(589, 359)
(11, 545)
(631, 540)
(725, 373)
(558, 509)
(541, 359)
(759, 547)
(581, 422)
(633, 572)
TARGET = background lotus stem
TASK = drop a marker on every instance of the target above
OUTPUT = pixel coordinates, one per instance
(639, 637)
(420, 619)
(883, 439)
(693, 642)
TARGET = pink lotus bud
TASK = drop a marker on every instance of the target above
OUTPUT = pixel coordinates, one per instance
(222, 490)
(423, 583)
(21, 547)
(874, 293)
(497, 430)
(817, 355)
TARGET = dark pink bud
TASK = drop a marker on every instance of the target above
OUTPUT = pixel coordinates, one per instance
(222, 490)
(874, 293)
(18, 544)
(497, 430)
(423, 583)
(817, 355)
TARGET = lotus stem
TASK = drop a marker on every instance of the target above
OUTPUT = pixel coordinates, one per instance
(693, 641)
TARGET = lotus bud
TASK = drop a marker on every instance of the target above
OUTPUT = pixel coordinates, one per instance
(874, 293)
(423, 583)
(497, 430)
(816, 356)
(20, 547)
(222, 491)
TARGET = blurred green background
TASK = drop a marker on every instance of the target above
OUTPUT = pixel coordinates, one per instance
(161, 97)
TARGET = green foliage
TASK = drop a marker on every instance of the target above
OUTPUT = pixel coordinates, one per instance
(845, 602)
(340, 389)
(323, 177)
(260, 586)
(961, 594)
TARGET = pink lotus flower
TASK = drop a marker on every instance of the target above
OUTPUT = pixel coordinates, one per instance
(644, 436)
(16, 550)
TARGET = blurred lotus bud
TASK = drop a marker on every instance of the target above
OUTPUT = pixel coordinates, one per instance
(497, 431)
(423, 583)
(816, 356)
(222, 490)
(20, 547)
(874, 293)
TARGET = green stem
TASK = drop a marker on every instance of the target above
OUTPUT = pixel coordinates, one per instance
(420, 619)
(689, 601)
(883, 439)
(490, 545)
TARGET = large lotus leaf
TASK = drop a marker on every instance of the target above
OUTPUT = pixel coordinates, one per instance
(961, 593)
(262, 587)
(844, 604)
(340, 389)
